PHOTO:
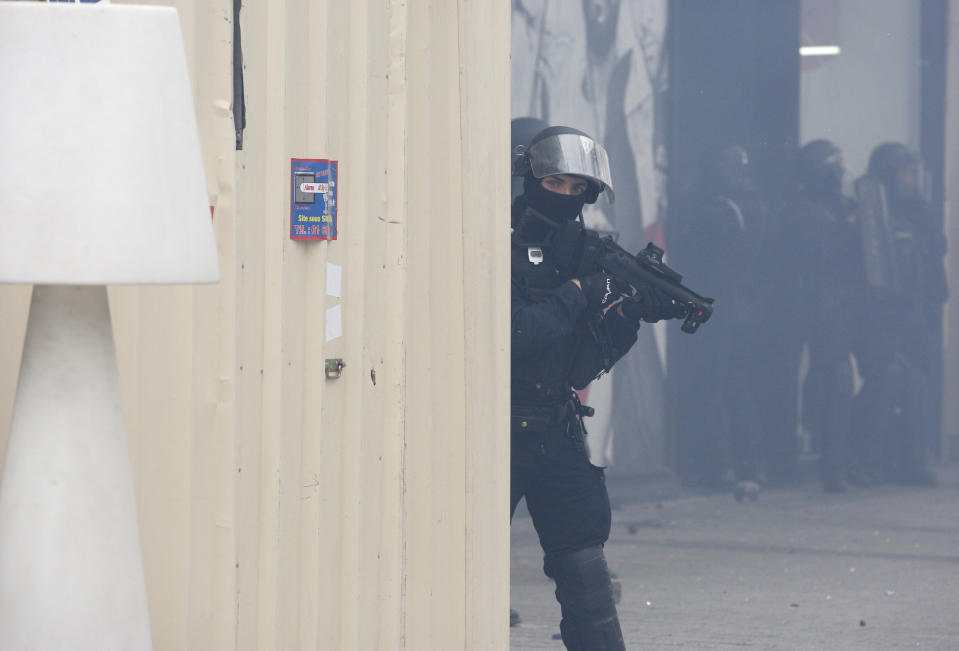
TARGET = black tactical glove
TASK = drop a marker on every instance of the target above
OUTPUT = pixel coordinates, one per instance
(651, 305)
(602, 290)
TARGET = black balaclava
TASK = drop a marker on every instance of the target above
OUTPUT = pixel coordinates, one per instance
(888, 162)
(820, 168)
(558, 207)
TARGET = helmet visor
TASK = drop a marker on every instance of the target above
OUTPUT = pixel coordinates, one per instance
(569, 153)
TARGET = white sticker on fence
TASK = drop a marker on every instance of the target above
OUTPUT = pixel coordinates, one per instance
(334, 279)
(334, 323)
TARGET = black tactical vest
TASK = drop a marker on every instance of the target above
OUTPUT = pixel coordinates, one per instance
(540, 378)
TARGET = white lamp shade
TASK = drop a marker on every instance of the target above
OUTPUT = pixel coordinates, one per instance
(101, 173)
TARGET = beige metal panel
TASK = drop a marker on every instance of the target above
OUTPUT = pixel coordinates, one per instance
(458, 245)
(309, 99)
(320, 482)
(276, 469)
(176, 352)
(383, 538)
(432, 429)
(212, 526)
(338, 516)
(153, 329)
(251, 233)
(484, 132)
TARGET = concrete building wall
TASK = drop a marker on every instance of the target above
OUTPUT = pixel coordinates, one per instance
(280, 509)
(950, 415)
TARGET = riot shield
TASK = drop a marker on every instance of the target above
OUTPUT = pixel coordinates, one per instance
(876, 233)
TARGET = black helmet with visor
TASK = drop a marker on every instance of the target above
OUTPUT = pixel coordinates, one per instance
(564, 150)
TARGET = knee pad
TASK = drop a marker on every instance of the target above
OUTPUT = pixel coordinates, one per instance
(578, 573)
(585, 594)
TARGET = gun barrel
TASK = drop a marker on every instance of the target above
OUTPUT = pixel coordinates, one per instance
(620, 263)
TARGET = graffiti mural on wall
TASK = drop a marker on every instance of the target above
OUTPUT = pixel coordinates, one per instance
(600, 66)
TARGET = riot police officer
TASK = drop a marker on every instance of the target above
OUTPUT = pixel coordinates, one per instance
(897, 351)
(565, 331)
(821, 249)
(719, 236)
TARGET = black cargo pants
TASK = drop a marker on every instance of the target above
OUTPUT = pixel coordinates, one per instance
(565, 494)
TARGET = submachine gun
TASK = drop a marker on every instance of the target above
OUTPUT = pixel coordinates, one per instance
(587, 251)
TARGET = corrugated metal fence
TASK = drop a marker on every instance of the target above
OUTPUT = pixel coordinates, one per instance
(280, 509)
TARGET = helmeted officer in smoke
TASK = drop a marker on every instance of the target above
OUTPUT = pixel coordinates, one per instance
(897, 351)
(820, 246)
(719, 234)
(565, 332)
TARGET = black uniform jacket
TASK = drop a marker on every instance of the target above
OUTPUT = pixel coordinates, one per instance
(556, 343)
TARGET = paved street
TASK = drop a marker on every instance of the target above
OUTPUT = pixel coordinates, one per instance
(871, 568)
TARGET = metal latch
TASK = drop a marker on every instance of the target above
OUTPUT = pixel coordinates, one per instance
(334, 367)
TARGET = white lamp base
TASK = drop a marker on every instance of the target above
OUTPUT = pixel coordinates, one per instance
(71, 574)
